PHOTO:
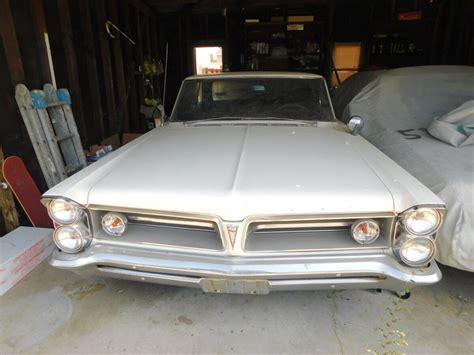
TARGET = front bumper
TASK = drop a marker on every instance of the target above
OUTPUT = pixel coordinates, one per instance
(376, 268)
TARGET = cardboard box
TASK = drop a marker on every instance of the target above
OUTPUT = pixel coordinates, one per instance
(20, 252)
(113, 140)
(308, 18)
(346, 55)
(128, 137)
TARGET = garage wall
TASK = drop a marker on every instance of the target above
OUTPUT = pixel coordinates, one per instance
(105, 76)
(442, 35)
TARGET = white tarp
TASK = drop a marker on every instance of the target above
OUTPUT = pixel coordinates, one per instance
(399, 106)
(456, 127)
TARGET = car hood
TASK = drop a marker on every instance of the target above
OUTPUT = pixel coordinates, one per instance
(235, 171)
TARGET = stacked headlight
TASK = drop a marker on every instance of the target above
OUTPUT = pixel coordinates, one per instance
(415, 245)
(72, 238)
(64, 212)
(421, 221)
(415, 251)
(71, 234)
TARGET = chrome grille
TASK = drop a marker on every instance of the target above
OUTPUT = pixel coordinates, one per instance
(167, 232)
(307, 236)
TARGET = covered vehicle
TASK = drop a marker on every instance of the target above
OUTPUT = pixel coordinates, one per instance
(423, 118)
(251, 187)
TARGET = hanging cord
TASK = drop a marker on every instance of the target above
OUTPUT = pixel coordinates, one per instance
(109, 23)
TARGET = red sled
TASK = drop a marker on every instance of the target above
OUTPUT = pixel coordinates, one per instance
(26, 191)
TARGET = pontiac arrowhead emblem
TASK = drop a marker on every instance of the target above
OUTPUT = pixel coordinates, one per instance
(232, 232)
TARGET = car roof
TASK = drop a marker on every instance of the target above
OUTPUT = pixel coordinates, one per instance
(257, 74)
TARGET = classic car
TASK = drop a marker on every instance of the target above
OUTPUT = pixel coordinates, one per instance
(251, 186)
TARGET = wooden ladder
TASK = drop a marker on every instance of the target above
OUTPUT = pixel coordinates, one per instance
(53, 132)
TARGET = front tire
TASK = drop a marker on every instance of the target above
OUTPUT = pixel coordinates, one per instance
(403, 295)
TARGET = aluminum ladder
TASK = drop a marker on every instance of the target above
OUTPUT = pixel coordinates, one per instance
(53, 132)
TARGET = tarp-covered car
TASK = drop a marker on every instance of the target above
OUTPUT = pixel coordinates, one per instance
(423, 118)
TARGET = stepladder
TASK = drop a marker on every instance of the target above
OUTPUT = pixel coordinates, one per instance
(50, 123)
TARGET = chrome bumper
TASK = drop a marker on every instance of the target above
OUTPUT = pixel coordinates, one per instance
(374, 269)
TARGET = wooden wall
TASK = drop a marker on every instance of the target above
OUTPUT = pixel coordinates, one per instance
(103, 74)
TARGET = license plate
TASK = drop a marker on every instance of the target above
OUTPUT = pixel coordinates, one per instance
(252, 287)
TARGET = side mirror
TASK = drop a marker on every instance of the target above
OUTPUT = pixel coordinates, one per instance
(355, 124)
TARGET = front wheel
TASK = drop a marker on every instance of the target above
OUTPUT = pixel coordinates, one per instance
(403, 295)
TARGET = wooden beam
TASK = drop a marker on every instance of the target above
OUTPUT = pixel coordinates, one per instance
(106, 67)
(154, 39)
(7, 202)
(91, 69)
(72, 70)
(119, 70)
(39, 22)
(140, 84)
(139, 41)
(131, 67)
(155, 55)
(140, 5)
(146, 35)
(10, 43)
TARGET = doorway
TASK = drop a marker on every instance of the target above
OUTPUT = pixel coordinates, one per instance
(208, 60)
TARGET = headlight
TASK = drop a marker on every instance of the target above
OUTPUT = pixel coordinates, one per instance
(415, 250)
(365, 231)
(422, 221)
(114, 224)
(72, 238)
(63, 212)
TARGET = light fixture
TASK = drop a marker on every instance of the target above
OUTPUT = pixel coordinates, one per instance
(365, 231)
(64, 212)
(421, 221)
(114, 224)
(72, 238)
(414, 250)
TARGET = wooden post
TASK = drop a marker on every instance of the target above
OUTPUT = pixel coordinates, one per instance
(106, 67)
(146, 35)
(72, 71)
(119, 71)
(7, 203)
(10, 44)
(131, 64)
(155, 54)
(37, 10)
(139, 57)
(91, 69)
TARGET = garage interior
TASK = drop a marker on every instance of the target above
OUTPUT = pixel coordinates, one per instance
(123, 63)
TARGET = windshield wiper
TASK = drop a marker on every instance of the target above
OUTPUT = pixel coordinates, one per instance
(269, 118)
(266, 118)
(223, 118)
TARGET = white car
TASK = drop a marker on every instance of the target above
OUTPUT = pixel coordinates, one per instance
(252, 186)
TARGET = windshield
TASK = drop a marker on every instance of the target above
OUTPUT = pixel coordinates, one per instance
(253, 98)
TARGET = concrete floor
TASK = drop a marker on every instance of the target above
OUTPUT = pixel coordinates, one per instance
(57, 311)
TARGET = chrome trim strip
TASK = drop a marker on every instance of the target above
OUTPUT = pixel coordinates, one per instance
(300, 230)
(304, 226)
(171, 223)
(159, 247)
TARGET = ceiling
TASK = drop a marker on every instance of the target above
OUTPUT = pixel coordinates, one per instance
(163, 6)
